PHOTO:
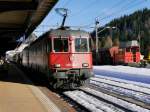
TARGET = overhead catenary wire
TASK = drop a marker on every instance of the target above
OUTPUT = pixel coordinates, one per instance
(66, 3)
(82, 10)
(89, 25)
(119, 3)
(112, 7)
(124, 8)
(41, 31)
(56, 26)
(118, 12)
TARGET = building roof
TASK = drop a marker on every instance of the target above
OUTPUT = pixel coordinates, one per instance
(20, 17)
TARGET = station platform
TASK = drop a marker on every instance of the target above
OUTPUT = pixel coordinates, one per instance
(17, 94)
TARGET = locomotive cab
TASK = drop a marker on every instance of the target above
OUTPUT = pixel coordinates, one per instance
(70, 60)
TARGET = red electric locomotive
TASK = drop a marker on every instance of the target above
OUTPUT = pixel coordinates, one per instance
(128, 53)
(63, 55)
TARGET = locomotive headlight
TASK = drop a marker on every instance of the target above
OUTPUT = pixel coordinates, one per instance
(85, 64)
(57, 66)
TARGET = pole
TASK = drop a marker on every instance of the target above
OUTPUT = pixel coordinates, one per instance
(96, 35)
(139, 37)
(111, 32)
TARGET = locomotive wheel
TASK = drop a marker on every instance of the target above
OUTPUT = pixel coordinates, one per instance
(58, 84)
(55, 85)
(72, 85)
(85, 82)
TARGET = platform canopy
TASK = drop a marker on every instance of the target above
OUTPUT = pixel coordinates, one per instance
(20, 17)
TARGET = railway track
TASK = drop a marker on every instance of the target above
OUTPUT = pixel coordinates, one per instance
(131, 93)
(91, 102)
(64, 103)
(105, 96)
(111, 98)
(97, 101)
(126, 85)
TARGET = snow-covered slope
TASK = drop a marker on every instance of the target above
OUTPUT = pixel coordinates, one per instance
(124, 72)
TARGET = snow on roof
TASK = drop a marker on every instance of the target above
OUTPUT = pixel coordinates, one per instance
(129, 43)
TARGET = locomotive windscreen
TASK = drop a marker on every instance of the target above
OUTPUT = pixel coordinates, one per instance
(81, 45)
(61, 44)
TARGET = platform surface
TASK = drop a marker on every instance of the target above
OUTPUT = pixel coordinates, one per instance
(16, 94)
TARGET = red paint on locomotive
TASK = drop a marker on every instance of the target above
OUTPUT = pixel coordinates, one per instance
(70, 60)
(63, 55)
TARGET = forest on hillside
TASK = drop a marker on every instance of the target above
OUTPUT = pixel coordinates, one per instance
(129, 27)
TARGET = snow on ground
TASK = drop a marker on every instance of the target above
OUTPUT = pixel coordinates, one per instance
(125, 69)
(123, 85)
(91, 103)
(124, 81)
(117, 101)
(124, 72)
(129, 81)
(123, 91)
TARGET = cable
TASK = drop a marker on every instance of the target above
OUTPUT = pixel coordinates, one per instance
(56, 26)
(102, 18)
(80, 11)
(114, 13)
(66, 4)
(111, 8)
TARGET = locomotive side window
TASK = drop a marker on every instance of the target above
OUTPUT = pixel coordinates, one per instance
(81, 45)
(61, 44)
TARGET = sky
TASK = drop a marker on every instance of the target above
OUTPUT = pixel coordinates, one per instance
(82, 13)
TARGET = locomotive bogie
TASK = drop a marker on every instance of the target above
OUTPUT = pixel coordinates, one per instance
(73, 74)
(73, 78)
